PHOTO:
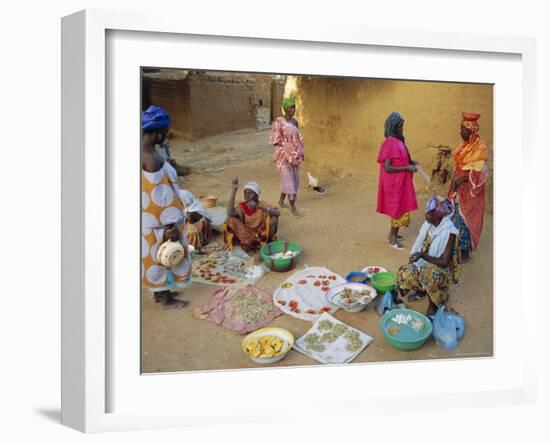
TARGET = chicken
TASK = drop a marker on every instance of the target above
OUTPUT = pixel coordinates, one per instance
(313, 182)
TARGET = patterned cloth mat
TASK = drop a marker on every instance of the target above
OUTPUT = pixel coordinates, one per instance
(242, 309)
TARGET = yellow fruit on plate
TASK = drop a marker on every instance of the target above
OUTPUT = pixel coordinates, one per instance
(264, 346)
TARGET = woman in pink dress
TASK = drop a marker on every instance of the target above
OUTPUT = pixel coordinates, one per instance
(289, 152)
(396, 195)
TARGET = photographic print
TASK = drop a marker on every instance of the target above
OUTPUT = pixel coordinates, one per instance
(294, 220)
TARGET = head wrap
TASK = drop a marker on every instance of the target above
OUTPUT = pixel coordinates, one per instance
(391, 124)
(470, 121)
(255, 187)
(288, 102)
(192, 204)
(471, 154)
(154, 118)
(439, 207)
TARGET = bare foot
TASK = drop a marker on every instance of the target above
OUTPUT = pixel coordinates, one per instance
(389, 238)
(169, 301)
(415, 296)
(397, 245)
(294, 212)
(282, 205)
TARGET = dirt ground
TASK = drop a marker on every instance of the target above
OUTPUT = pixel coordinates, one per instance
(341, 231)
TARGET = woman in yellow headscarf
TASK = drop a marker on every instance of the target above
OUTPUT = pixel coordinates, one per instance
(468, 184)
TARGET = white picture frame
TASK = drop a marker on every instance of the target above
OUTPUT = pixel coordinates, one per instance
(87, 355)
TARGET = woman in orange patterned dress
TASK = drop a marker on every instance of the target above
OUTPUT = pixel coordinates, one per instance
(162, 214)
(467, 190)
(251, 223)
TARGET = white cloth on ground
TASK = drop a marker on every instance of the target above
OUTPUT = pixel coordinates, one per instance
(334, 352)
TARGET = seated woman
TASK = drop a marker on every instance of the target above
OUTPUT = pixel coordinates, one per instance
(433, 264)
(252, 223)
(199, 221)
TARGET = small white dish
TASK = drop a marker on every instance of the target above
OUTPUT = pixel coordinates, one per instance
(355, 286)
(370, 271)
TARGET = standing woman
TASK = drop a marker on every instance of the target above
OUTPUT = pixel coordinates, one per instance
(468, 184)
(396, 195)
(162, 214)
(289, 152)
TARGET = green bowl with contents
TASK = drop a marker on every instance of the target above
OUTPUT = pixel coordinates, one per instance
(280, 256)
(384, 282)
(405, 329)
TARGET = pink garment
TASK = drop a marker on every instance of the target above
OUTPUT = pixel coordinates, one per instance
(396, 195)
(290, 179)
(289, 143)
(223, 311)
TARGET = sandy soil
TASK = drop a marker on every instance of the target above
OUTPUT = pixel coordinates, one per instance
(340, 231)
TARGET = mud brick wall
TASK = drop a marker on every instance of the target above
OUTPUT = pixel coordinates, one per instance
(277, 92)
(342, 119)
(221, 103)
(263, 90)
(172, 95)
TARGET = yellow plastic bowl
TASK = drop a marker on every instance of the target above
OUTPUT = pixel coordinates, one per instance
(285, 335)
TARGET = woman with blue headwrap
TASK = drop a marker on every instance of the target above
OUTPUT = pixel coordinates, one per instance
(434, 261)
(162, 213)
(396, 194)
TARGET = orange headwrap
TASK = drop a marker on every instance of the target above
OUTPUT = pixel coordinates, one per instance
(471, 154)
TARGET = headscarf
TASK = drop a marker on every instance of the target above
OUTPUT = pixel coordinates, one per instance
(471, 154)
(288, 102)
(391, 124)
(154, 118)
(255, 187)
(439, 207)
(192, 204)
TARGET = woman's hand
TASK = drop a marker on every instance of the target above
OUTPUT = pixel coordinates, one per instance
(411, 168)
(235, 183)
(273, 212)
(416, 256)
(457, 182)
(171, 233)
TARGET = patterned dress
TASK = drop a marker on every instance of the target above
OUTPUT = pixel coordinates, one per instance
(430, 278)
(288, 154)
(250, 231)
(471, 162)
(161, 207)
(200, 233)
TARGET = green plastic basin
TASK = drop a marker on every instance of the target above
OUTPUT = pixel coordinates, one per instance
(384, 282)
(280, 264)
(407, 338)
